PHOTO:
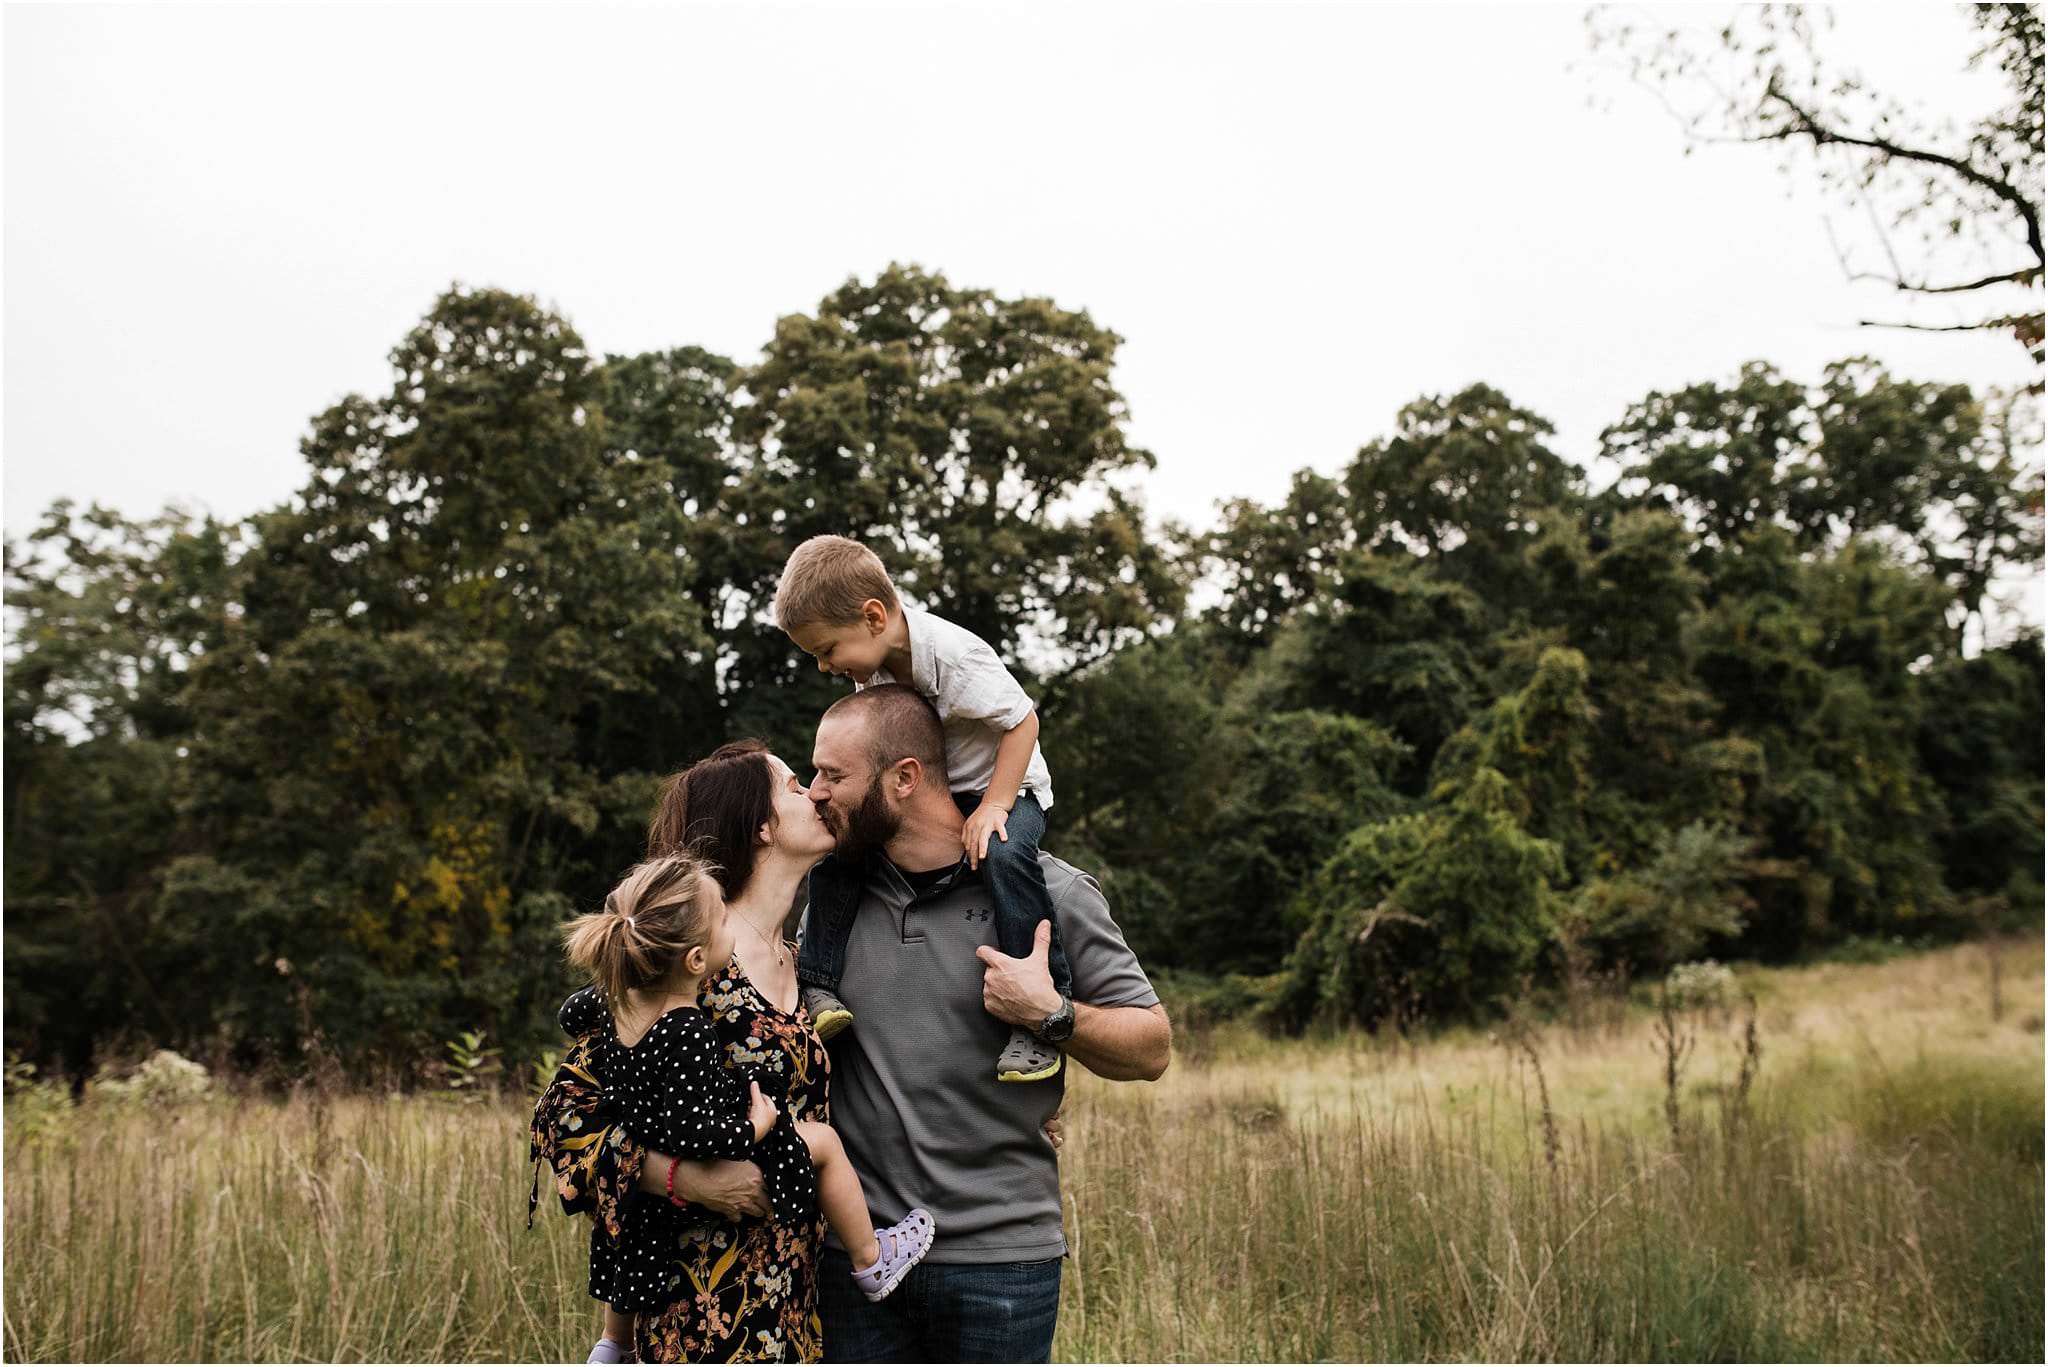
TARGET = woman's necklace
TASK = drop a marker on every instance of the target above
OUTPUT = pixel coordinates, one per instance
(775, 946)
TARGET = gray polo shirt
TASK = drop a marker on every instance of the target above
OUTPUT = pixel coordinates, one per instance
(914, 1093)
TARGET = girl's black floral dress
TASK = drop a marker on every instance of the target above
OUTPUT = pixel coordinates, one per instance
(727, 1291)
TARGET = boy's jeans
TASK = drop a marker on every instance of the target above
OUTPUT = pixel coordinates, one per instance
(1015, 881)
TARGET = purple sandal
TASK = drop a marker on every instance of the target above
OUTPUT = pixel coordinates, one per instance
(903, 1246)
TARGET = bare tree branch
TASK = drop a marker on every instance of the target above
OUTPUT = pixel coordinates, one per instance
(1811, 127)
(2026, 275)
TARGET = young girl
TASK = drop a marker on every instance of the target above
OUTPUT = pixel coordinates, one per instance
(662, 933)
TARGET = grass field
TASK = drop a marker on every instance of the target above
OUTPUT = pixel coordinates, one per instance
(1875, 1194)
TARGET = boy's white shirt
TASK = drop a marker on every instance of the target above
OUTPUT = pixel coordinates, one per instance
(978, 699)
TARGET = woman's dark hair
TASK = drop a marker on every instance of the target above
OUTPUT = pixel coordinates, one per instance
(713, 808)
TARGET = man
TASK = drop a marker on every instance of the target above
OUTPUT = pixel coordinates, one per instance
(923, 1119)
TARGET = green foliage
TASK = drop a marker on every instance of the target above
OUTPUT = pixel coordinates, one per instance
(1979, 742)
(338, 774)
(1389, 641)
(1663, 913)
(1437, 727)
(473, 1068)
(1437, 912)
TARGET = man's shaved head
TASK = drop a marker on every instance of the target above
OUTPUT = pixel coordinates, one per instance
(898, 723)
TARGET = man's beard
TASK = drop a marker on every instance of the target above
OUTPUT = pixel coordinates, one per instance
(870, 826)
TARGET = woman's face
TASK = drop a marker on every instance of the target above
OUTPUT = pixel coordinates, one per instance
(799, 830)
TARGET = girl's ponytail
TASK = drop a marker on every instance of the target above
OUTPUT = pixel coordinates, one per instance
(657, 914)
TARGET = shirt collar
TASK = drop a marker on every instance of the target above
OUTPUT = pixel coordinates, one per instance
(885, 878)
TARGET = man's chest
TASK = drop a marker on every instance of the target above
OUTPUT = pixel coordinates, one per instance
(920, 958)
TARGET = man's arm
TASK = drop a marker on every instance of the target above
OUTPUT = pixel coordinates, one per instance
(1122, 1043)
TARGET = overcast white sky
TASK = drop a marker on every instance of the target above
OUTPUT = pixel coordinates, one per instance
(219, 220)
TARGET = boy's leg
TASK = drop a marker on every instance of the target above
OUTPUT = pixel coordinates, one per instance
(1016, 884)
(834, 896)
(1016, 881)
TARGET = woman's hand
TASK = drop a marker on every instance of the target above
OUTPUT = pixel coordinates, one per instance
(1055, 1130)
(727, 1188)
(761, 1111)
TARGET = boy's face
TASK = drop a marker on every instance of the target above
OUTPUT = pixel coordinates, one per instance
(853, 650)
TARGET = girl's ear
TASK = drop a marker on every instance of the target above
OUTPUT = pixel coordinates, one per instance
(693, 961)
(766, 835)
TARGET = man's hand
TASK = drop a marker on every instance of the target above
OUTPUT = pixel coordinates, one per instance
(986, 822)
(728, 1188)
(1019, 991)
(1055, 1130)
(761, 1111)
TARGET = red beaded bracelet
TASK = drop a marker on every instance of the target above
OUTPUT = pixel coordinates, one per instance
(672, 1183)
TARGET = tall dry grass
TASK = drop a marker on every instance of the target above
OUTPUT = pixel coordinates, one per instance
(1876, 1194)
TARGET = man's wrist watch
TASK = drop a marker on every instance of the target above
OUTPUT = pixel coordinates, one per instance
(1058, 1028)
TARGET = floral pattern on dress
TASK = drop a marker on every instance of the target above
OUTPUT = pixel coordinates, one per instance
(743, 1291)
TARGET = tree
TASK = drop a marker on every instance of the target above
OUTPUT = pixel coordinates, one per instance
(1537, 740)
(1388, 641)
(1270, 561)
(1663, 913)
(1715, 456)
(1814, 662)
(437, 731)
(976, 443)
(1467, 482)
(108, 617)
(1970, 197)
(1980, 741)
(1918, 468)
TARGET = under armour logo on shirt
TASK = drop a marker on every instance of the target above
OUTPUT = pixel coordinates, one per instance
(977, 913)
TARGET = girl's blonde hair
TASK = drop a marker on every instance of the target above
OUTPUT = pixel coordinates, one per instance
(657, 914)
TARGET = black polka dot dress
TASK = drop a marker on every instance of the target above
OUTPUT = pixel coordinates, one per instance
(675, 1095)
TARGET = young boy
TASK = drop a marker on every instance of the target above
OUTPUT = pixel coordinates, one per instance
(836, 602)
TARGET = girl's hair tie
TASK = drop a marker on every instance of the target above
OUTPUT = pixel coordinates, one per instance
(629, 923)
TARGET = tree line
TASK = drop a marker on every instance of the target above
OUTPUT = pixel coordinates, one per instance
(1450, 724)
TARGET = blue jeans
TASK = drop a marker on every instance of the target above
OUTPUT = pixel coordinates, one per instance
(943, 1312)
(1011, 872)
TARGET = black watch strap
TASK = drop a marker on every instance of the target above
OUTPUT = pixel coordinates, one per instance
(1058, 1028)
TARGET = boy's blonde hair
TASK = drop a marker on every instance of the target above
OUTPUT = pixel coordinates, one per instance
(826, 580)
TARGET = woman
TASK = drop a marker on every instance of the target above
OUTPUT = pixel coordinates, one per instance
(744, 1288)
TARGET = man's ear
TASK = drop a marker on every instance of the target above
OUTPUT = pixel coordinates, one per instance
(909, 775)
(875, 614)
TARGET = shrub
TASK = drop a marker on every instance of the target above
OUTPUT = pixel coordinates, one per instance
(164, 1077)
(1698, 985)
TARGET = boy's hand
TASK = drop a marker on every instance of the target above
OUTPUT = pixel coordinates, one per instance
(986, 821)
(762, 1112)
